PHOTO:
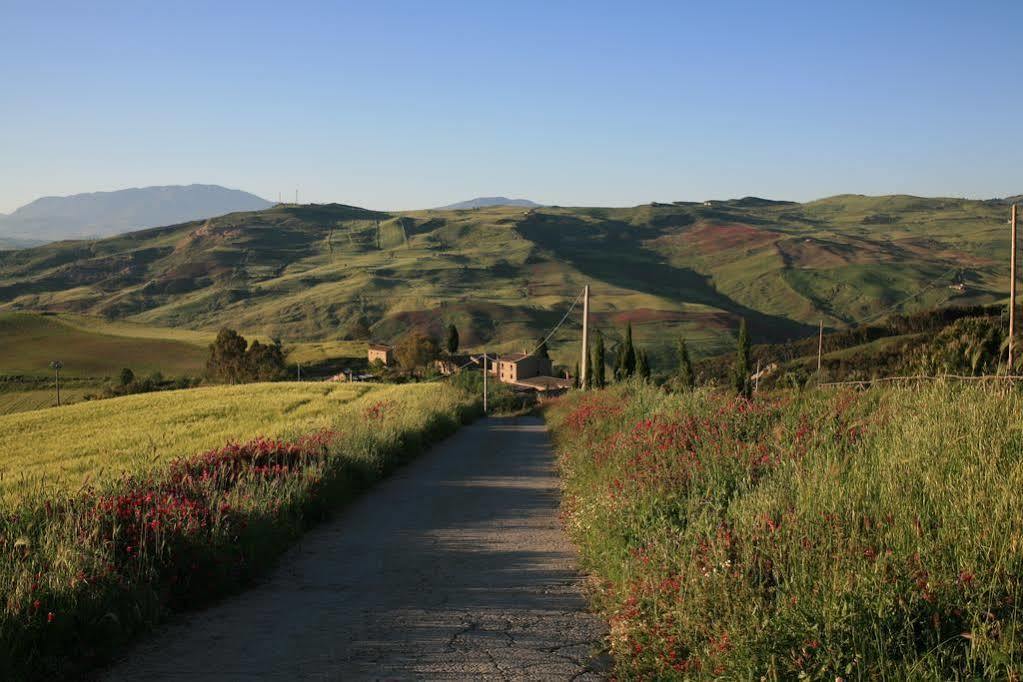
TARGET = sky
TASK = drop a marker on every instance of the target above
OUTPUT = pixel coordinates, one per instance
(403, 105)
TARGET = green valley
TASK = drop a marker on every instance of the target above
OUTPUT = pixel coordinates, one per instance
(503, 274)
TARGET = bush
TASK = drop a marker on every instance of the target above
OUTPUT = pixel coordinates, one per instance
(501, 398)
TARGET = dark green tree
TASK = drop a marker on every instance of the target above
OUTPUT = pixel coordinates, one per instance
(127, 377)
(264, 362)
(451, 342)
(628, 354)
(541, 351)
(741, 380)
(416, 350)
(575, 377)
(599, 379)
(686, 377)
(642, 365)
(226, 362)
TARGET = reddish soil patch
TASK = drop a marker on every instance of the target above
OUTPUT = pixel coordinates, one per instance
(708, 237)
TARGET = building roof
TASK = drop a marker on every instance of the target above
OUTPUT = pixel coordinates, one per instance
(513, 357)
(545, 383)
(380, 346)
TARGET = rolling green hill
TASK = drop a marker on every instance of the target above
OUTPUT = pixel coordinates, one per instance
(503, 274)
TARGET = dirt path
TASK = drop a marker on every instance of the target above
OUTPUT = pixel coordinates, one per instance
(454, 568)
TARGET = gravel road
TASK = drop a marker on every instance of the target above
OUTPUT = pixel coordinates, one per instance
(454, 568)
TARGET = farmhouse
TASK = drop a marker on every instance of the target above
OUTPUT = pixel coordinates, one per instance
(381, 352)
(512, 369)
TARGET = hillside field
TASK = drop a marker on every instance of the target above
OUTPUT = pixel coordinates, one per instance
(94, 350)
(818, 534)
(79, 443)
(504, 274)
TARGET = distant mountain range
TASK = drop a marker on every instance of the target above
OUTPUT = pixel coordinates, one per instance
(105, 214)
(481, 202)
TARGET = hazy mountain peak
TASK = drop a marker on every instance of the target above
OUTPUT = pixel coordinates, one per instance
(104, 214)
(480, 202)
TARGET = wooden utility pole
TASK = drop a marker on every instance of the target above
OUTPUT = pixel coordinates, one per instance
(820, 347)
(756, 378)
(583, 369)
(484, 382)
(57, 365)
(1012, 291)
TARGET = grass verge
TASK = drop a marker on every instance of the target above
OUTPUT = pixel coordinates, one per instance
(84, 571)
(837, 535)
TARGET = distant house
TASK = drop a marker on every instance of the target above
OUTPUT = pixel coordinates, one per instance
(512, 369)
(381, 352)
(455, 363)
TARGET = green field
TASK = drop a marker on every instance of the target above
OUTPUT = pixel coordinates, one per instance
(81, 442)
(321, 273)
(820, 534)
(31, 342)
(94, 350)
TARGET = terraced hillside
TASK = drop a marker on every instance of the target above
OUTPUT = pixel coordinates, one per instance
(503, 274)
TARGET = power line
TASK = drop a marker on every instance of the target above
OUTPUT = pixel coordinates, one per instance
(538, 346)
(930, 285)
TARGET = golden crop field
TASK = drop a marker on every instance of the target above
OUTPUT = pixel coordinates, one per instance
(67, 446)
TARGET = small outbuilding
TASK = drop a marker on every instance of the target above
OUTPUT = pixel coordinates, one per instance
(381, 352)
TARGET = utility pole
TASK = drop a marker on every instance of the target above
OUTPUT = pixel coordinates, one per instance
(57, 365)
(756, 378)
(299, 366)
(820, 347)
(586, 338)
(484, 382)
(1012, 291)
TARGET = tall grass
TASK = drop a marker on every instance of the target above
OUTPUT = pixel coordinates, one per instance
(85, 442)
(853, 535)
(82, 571)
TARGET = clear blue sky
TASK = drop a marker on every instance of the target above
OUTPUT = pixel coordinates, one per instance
(397, 105)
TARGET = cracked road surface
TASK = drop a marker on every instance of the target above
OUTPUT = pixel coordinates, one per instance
(455, 567)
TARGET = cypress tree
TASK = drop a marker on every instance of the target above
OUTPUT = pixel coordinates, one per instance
(619, 368)
(686, 377)
(599, 380)
(741, 372)
(628, 354)
(575, 377)
(642, 365)
(451, 342)
(541, 351)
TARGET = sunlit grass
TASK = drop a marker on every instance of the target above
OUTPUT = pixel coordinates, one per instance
(829, 534)
(167, 521)
(64, 447)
